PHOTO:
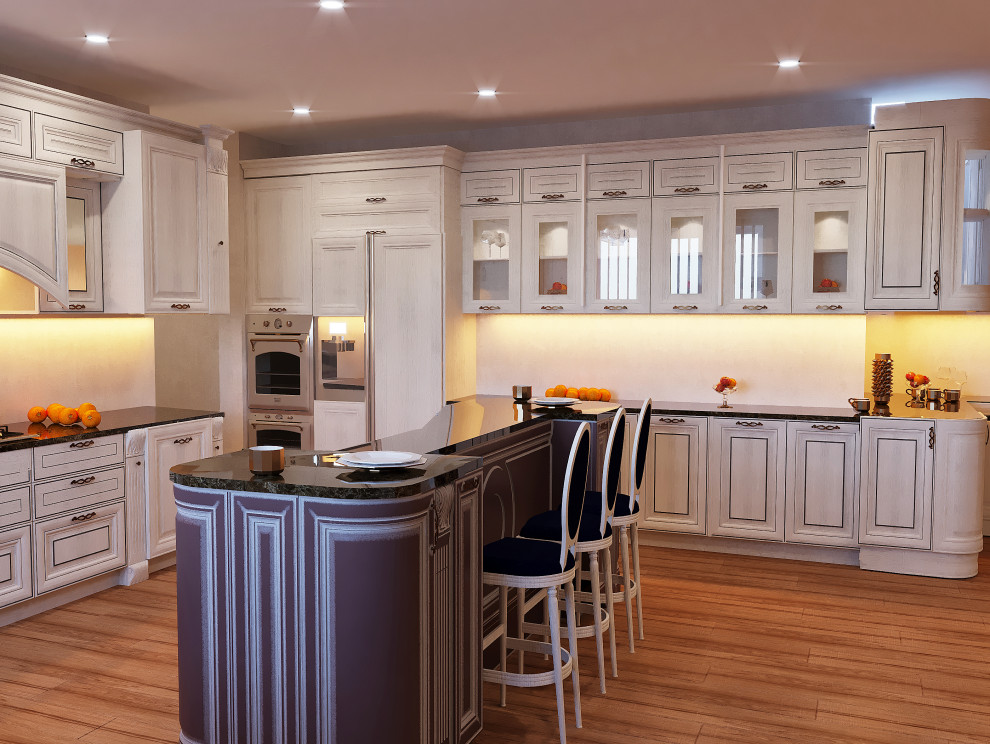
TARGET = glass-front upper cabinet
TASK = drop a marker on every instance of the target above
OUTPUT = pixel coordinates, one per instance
(829, 251)
(685, 266)
(491, 240)
(968, 287)
(85, 250)
(552, 260)
(617, 258)
(756, 246)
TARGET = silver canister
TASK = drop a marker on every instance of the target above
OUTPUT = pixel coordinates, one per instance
(952, 396)
(522, 392)
(933, 395)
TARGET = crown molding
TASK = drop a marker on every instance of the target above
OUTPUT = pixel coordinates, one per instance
(303, 165)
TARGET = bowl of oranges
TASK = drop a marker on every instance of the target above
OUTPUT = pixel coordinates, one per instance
(580, 393)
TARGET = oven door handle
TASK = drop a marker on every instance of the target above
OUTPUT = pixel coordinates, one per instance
(302, 344)
(278, 425)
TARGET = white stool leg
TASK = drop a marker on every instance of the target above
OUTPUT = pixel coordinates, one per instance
(596, 604)
(610, 607)
(520, 618)
(558, 679)
(572, 647)
(639, 587)
(503, 612)
(626, 585)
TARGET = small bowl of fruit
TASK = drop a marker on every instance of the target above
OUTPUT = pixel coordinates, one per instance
(726, 386)
(918, 387)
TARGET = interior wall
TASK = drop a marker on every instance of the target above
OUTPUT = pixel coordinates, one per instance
(777, 359)
(109, 362)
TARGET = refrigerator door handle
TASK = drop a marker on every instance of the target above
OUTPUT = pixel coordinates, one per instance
(369, 336)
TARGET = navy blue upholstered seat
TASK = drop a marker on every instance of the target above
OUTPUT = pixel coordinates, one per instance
(546, 526)
(622, 506)
(520, 556)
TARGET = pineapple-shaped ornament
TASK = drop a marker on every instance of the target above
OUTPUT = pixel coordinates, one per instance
(883, 376)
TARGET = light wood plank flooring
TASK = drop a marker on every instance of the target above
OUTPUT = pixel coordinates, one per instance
(738, 649)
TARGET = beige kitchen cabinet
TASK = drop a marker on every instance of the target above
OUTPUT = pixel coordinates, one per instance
(617, 256)
(822, 483)
(15, 467)
(279, 248)
(15, 505)
(77, 546)
(397, 200)
(746, 465)
(965, 280)
(340, 279)
(756, 252)
(15, 131)
(676, 483)
(84, 218)
(339, 424)
(685, 264)
(15, 565)
(491, 239)
(618, 180)
(897, 465)
(490, 187)
(545, 185)
(904, 219)
(81, 147)
(686, 176)
(552, 258)
(761, 172)
(69, 458)
(817, 169)
(217, 219)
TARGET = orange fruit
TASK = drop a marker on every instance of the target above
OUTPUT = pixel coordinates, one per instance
(572, 392)
(593, 394)
(68, 416)
(560, 391)
(549, 392)
(582, 393)
(606, 394)
(86, 407)
(37, 414)
(52, 412)
(91, 418)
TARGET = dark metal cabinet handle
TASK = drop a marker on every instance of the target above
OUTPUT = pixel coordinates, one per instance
(83, 517)
(552, 196)
(616, 307)
(686, 190)
(77, 307)
(671, 420)
(376, 199)
(825, 427)
(184, 440)
(828, 307)
(552, 307)
(276, 309)
(755, 307)
(754, 186)
(685, 307)
(82, 163)
(180, 306)
(487, 199)
(936, 282)
(489, 307)
(931, 438)
(82, 445)
(375, 232)
(613, 193)
(220, 243)
(82, 481)
(833, 182)
(749, 423)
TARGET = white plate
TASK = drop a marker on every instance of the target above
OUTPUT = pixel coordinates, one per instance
(376, 458)
(555, 401)
(390, 466)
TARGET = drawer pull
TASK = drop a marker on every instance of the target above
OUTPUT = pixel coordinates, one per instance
(825, 427)
(931, 438)
(489, 307)
(375, 232)
(375, 199)
(552, 307)
(828, 307)
(935, 283)
(82, 163)
(671, 420)
(749, 423)
(613, 193)
(180, 305)
(76, 306)
(755, 307)
(83, 517)
(184, 440)
(754, 186)
(82, 445)
(82, 481)
(833, 182)
(616, 307)
(487, 199)
(552, 196)
(276, 309)
(687, 190)
(685, 307)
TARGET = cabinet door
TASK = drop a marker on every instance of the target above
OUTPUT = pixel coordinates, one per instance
(33, 233)
(340, 278)
(552, 184)
(78, 145)
(15, 505)
(77, 546)
(168, 446)
(685, 264)
(618, 180)
(218, 239)
(756, 245)
(398, 200)
(15, 131)
(818, 169)
(675, 488)
(896, 497)
(768, 172)
(15, 565)
(822, 482)
(746, 461)
(685, 176)
(177, 256)
(552, 265)
(965, 280)
(491, 240)
(279, 251)
(407, 332)
(904, 219)
(467, 608)
(829, 251)
(618, 256)
(490, 187)
(85, 250)
(339, 424)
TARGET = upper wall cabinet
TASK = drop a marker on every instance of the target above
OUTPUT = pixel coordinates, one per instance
(756, 264)
(79, 146)
(617, 259)
(340, 280)
(552, 259)
(904, 219)
(490, 187)
(965, 281)
(753, 173)
(15, 131)
(618, 180)
(397, 200)
(552, 184)
(491, 240)
(85, 250)
(685, 176)
(685, 262)
(828, 169)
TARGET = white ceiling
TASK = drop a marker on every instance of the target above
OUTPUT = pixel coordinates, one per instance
(387, 67)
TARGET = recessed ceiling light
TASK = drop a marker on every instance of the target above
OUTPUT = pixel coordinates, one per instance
(332, 4)
(97, 39)
(300, 110)
(786, 64)
(487, 92)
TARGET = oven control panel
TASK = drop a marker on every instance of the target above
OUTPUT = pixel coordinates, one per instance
(288, 324)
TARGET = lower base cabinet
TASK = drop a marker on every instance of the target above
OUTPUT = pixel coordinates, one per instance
(78, 546)
(15, 565)
(675, 484)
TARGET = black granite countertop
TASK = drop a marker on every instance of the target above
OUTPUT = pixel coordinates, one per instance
(899, 408)
(739, 410)
(113, 422)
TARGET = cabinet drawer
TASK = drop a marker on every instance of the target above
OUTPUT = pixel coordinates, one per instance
(771, 172)
(617, 180)
(382, 187)
(685, 176)
(818, 169)
(15, 565)
(78, 145)
(77, 546)
(490, 187)
(81, 454)
(15, 467)
(15, 505)
(552, 184)
(409, 218)
(15, 131)
(77, 492)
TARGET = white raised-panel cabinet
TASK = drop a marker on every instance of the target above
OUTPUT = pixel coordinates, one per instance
(15, 131)
(685, 265)
(685, 176)
(340, 279)
(676, 483)
(829, 251)
(965, 280)
(957, 513)
(618, 180)
(490, 187)
(746, 464)
(822, 483)
(15, 565)
(397, 200)
(617, 258)
(339, 424)
(904, 219)
(85, 250)
(543, 185)
(168, 446)
(552, 258)
(79, 146)
(218, 232)
(33, 229)
(817, 169)
(756, 252)
(279, 247)
(15, 505)
(76, 546)
(491, 240)
(895, 502)
(756, 173)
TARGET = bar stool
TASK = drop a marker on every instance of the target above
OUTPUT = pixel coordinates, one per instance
(525, 563)
(594, 536)
(626, 519)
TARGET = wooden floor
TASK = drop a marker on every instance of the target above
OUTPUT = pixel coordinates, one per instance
(738, 649)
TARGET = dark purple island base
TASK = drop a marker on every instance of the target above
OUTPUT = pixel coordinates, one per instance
(328, 605)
